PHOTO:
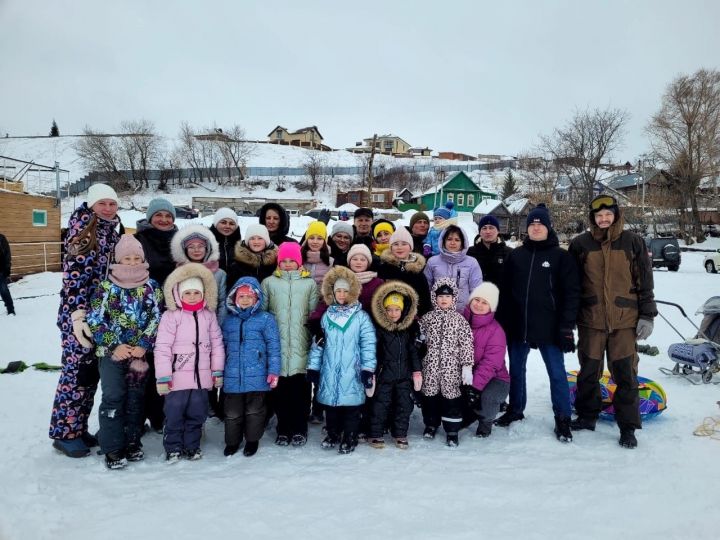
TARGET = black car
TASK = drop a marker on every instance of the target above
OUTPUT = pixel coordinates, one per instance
(185, 212)
(664, 252)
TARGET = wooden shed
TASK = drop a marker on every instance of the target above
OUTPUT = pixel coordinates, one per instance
(31, 224)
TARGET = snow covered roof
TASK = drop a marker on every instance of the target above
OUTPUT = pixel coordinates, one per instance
(347, 207)
(448, 180)
(486, 206)
(517, 206)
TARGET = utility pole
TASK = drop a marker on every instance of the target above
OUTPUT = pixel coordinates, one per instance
(370, 171)
(57, 183)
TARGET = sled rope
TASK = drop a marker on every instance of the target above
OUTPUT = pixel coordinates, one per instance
(709, 428)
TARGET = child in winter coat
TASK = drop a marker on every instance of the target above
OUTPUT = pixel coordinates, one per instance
(491, 381)
(398, 362)
(442, 218)
(399, 262)
(448, 362)
(189, 357)
(256, 256)
(252, 365)
(290, 294)
(344, 363)
(123, 317)
(315, 251)
(454, 262)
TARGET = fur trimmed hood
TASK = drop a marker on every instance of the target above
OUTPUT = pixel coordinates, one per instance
(415, 264)
(244, 255)
(332, 276)
(409, 312)
(181, 273)
(177, 251)
(445, 281)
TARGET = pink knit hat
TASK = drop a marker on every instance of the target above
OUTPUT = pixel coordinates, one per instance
(401, 235)
(128, 245)
(290, 250)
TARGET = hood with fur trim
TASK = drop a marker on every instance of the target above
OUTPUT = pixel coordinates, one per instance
(415, 264)
(181, 273)
(230, 299)
(439, 283)
(266, 257)
(332, 276)
(409, 312)
(177, 251)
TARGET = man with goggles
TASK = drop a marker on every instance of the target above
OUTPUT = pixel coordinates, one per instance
(617, 309)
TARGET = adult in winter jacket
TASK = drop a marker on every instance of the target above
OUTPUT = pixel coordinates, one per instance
(340, 241)
(252, 365)
(343, 364)
(419, 227)
(542, 292)
(226, 230)
(617, 308)
(362, 224)
(448, 362)
(93, 231)
(454, 263)
(276, 220)
(489, 250)
(399, 367)
(491, 381)
(256, 256)
(400, 263)
(155, 233)
(5, 267)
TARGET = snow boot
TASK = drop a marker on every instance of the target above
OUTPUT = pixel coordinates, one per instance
(452, 440)
(330, 441)
(429, 432)
(115, 460)
(231, 449)
(562, 429)
(251, 448)
(627, 438)
(376, 442)
(582, 422)
(402, 443)
(484, 429)
(194, 454)
(508, 418)
(173, 457)
(282, 440)
(74, 448)
(134, 452)
(298, 439)
(348, 444)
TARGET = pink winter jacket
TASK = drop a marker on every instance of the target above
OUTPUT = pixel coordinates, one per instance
(489, 346)
(189, 345)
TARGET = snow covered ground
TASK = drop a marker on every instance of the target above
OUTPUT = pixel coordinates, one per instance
(519, 483)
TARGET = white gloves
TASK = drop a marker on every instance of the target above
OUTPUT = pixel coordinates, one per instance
(644, 329)
(467, 375)
(417, 380)
(81, 330)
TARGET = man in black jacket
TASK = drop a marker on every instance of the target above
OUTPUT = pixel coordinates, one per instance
(541, 291)
(5, 263)
(362, 223)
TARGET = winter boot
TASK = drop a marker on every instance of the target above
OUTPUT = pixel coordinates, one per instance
(282, 440)
(402, 443)
(230, 449)
(173, 457)
(376, 442)
(299, 439)
(582, 422)
(134, 452)
(74, 448)
(115, 460)
(251, 448)
(508, 418)
(627, 437)
(484, 429)
(194, 454)
(330, 441)
(348, 444)
(562, 429)
(429, 432)
(452, 440)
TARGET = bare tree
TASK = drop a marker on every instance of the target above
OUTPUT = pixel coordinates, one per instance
(235, 150)
(685, 136)
(101, 153)
(141, 146)
(580, 146)
(313, 165)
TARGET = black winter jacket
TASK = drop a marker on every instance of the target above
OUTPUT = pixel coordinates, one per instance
(227, 246)
(5, 257)
(156, 245)
(281, 235)
(491, 260)
(410, 272)
(541, 292)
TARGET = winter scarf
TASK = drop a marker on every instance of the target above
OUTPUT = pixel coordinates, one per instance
(129, 276)
(365, 277)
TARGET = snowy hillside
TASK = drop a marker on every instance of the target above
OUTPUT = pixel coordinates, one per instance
(519, 483)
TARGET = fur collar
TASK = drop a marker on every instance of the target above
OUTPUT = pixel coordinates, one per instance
(335, 273)
(267, 257)
(178, 253)
(181, 273)
(409, 310)
(415, 264)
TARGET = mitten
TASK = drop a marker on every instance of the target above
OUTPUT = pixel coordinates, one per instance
(427, 250)
(467, 375)
(367, 378)
(417, 380)
(88, 373)
(81, 330)
(164, 385)
(473, 398)
(313, 375)
(644, 329)
(272, 380)
(566, 341)
(217, 378)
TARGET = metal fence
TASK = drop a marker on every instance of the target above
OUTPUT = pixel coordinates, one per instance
(34, 257)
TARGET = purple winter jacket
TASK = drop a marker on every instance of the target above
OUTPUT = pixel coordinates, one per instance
(489, 346)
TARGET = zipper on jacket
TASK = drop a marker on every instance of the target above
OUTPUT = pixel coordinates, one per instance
(197, 350)
(527, 294)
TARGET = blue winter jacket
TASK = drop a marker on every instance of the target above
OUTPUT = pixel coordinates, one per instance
(252, 344)
(349, 348)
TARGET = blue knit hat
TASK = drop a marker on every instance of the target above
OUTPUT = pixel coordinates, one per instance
(157, 205)
(540, 214)
(441, 212)
(489, 220)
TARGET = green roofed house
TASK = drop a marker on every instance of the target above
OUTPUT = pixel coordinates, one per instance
(459, 188)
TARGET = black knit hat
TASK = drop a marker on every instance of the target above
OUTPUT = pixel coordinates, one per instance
(539, 214)
(444, 289)
(363, 212)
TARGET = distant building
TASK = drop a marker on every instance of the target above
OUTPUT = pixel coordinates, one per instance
(404, 196)
(457, 156)
(385, 144)
(420, 152)
(307, 137)
(459, 188)
(495, 208)
(381, 198)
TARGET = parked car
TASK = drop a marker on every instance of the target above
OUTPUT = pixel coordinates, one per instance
(712, 262)
(186, 212)
(712, 231)
(664, 252)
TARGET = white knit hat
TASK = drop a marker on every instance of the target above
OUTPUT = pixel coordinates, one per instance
(224, 213)
(255, 229)
(98, 192)
(362, 250)
(191, 284)
(401, 234)
(488, 292)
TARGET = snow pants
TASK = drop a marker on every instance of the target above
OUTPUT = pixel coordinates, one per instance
(185, 414)
(343, 420)
(291, 401)
(491, 398)
(121, 407)
(244, 415)
(622, 361)
(393, 399)
(448, 410)
(5, 294)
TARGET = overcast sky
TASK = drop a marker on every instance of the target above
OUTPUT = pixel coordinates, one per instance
(468, 76)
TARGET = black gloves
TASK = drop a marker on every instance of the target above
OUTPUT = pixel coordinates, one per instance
(88, 373)
(367, 378)
(313, 376)
(566, 340)
(472, 397)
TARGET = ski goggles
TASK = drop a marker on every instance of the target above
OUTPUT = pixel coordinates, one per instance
(602, 202)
